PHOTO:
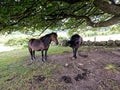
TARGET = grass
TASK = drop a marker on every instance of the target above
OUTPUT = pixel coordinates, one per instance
(19, 76)
(12, 56)
(111, 66)
(16, 70)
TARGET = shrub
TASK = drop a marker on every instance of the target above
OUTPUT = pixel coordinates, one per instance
(17, 42)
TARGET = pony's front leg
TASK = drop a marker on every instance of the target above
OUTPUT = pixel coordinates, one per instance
(34, 55)
(74, 52)
(42, 54)
(31, 53)
(46, 55)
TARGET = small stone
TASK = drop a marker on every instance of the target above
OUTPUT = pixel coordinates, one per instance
(66, 65)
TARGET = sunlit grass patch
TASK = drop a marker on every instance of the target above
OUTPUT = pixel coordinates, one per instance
(112, 66)
(9, 57)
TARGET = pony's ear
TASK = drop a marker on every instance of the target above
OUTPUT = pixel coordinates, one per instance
(54, 33)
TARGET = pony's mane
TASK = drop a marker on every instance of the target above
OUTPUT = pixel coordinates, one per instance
(47, 36)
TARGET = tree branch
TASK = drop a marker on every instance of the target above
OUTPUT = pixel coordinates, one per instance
(111, 21)
(107, 8)
(45, 28)
(71, 1)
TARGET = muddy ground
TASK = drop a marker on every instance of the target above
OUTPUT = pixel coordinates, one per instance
(95, 69)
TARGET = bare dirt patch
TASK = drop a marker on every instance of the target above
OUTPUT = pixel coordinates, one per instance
(96, 69)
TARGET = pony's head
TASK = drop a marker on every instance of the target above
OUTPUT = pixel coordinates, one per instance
(68, 43)
(54, 37)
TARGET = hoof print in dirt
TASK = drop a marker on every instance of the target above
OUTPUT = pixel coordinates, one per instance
(82, 76)
(85, 70)
(83, 55)
(39, 78)
(66, 79)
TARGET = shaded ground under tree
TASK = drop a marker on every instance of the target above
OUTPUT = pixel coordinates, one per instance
(95, 69)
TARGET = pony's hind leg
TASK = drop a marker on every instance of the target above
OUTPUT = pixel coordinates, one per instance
(31, 53)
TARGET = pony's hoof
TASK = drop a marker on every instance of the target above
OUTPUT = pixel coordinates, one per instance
(31, 60)
(44, 61)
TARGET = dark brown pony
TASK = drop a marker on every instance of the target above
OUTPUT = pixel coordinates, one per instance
(42, 45)
(75, 42)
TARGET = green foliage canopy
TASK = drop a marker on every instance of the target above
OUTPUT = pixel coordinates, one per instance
(57, 14)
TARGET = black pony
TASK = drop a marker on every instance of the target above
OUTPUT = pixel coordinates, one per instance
(75, 42)
(42, 45)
